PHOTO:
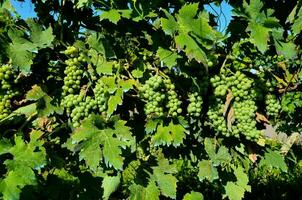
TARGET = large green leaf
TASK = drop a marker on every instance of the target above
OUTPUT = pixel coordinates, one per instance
(274, 160)
(236, 190)
(138, 192)
(166, 183)
(259, 35)
(192, 34)
(172, 134)
(207, 171)
(168, 57)
(39, 37)
(110, 185)
(106, 143)
(193, 196)
(297, 25)
(26, 157)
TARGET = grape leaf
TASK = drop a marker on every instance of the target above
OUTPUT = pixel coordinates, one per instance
(110, 185)
(207, 171)
(172, 134)
(169, 25)
(242, 178)
(236, 190)
(35, 93)
(48, 107)
(103, 67)
(166, 183)
(114, 101)
(83, 3)
(150, 125)
(152, 191)
(21, 55)
(138, 192)
(126, 85)
(6, 4)
(233, 191)
(259, 35)
(39, 37)
(297, 25)
(193, 196)
(168, 57)
(222, 155)
(273, 159)
(109, 81)
(4, 146)
(107, 143)
(194, 35)
(112, 15)
(26, 158)
(27, 110)
(95, 42)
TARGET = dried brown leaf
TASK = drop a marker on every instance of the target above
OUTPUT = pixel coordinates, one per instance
(230, 118)
(261, 118)
(228, 101)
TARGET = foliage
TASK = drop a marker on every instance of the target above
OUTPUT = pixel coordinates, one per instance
(149, 100)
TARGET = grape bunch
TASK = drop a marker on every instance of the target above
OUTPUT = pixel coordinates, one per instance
(71, 51)
(83, 110)
(74, 71)
(194, 107)
(245, 119)
(238, 83)
(173, 103)
(72, 100)
(130, 173)
(217, 120)
(153, 93)
(273, 105)
(101, 96)
(7, 92)
(243, 105)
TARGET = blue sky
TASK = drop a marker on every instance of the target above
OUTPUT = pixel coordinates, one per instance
(26, 9)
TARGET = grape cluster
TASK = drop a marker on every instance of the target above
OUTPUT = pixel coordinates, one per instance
(244, 97)
(217, 120)
(194, 107)
(72, 100)
(101, 96)
(245, 119)
(273, 106)
(83, 110)
(74, 71)
(7, 92)
(160, 97)
(130, 173)
(80, 103)
(173, 103)
(71, 51)
(238, 83)
(153, 93)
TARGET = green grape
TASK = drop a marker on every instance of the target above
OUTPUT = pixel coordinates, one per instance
(71, 51)
(101, 96)
(130, 172)
(245, 113)
(244, 96)
(217, 121)
(195, 105)
(83, 110)
(74, 71)
(173, 103)
(8, 77)
(152, 93)
(273, 106)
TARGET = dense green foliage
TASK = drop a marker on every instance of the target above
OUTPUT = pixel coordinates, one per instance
(149, 100)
